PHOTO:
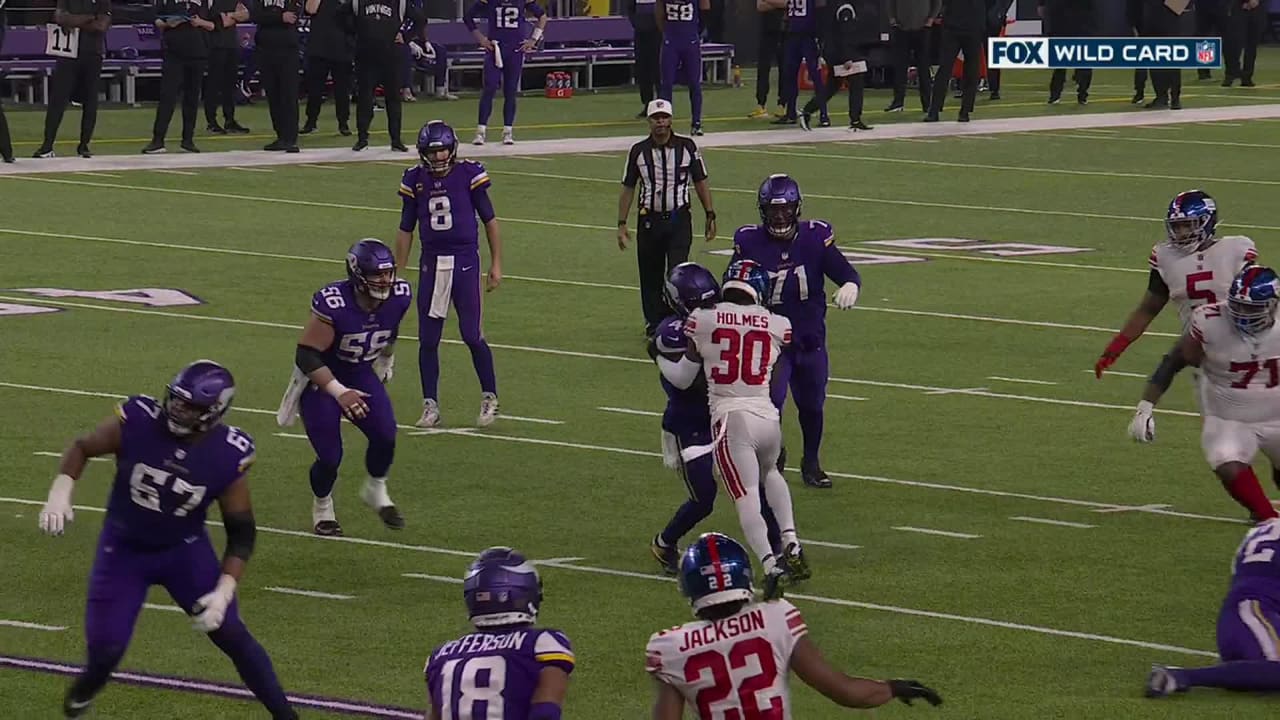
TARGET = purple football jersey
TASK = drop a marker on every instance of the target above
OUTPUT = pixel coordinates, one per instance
(681, 19)
(506, 19)
(800, 17)
(687, 410)
(493, 675)
(797, 273)
(359, 336)
(446, 207)
(1256, 570)
(164, 484)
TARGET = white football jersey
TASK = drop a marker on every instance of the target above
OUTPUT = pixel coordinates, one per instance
(739, 345)
(1204, 277)
(1241, 372)
(731, 668)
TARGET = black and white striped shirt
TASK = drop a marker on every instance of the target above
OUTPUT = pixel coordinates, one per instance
(664, 172)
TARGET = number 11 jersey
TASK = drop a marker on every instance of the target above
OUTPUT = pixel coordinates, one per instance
(734, 667)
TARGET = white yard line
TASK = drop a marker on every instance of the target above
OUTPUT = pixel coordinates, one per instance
(1047, 521)
(309, 593)
(844, 397)
(931, 531)
(1133, 508)
(1120, 373)
(1021, 380)
(176, 172)
(251, 169)
(437, 578)
(98, 175)
(629, 411)
(164, 608)
(50, 453)
(32, 626)
(988, 622)
(322, 167)
(823, 543)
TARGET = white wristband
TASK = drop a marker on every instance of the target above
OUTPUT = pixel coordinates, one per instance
(537, 34)
(61, 489)
(1146, 407)
(335, 388)
(226, 586)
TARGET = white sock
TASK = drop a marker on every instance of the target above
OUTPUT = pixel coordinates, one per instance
(754, 527)
(481, 129)
(377, 491)
(507, 129)
(775, 488)
(322, 509)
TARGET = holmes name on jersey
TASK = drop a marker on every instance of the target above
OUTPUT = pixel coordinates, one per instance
(724, 317)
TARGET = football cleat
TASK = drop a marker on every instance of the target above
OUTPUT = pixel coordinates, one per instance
(797, 566)
(325, 522)
(328, 528)
(75, 708)
(374, 494)
(480, 137)
(775, 582)
(488, 409)
(813, 475)
(1161, 682)
(667, 557)
(430, 414)
(508, 136)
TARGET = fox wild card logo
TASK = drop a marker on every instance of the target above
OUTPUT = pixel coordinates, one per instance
(1010, 53)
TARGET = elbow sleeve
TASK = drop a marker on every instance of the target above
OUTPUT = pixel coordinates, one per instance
(308, 359)
(242, 532)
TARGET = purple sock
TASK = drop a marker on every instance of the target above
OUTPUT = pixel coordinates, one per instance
(429, 367)
(811, 431)
(1253, 675)
(695, 101)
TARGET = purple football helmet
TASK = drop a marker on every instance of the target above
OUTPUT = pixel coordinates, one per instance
(434, 137)
(197, 397)
(371, 266)
(779, 202)
(690, 286)
(502, 587)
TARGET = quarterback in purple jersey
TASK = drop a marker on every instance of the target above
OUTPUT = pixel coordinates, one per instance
(680, 23)
(798, 255)
(687, 419)
(507, 669)
(1247, 625)
(345, 352)
(442, 197)
(173, 459)
(505, 46)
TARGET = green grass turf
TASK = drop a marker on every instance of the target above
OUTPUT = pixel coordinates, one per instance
(592, 487)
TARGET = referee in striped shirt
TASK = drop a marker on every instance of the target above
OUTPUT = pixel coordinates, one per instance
(663, 165)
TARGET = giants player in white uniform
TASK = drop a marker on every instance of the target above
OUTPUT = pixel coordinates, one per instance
(1192, 268)
(1236, 345)
(738, 341)
(733, 661)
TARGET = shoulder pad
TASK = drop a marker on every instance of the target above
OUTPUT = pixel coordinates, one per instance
(473, 165)
(139, 407)
(670, 337)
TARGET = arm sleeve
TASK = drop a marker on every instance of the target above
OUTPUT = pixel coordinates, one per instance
(680, 373)
(1156, 285)
(408, 214)
(484, 206)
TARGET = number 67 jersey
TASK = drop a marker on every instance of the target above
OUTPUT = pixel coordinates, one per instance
(735, 667)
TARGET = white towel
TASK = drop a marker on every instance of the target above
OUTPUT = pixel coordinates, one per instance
(497, 55)
(292, 400)
(443, 291)
(693, 452)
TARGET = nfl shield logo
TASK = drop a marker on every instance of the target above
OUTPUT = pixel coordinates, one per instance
(1206, 53)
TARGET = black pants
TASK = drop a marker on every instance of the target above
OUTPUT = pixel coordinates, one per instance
(1211, 22)
(375, 68)
(1083, 77)
(1245, 31)
(648, 47)
(179, 77)
(1159, 22)
(662, 242)
(911, 47)
(318, 70)
(769, 57)
(953, 41)
(220, 85)
(857, 92)
(68, 74)
(278, 73)
(6, 144)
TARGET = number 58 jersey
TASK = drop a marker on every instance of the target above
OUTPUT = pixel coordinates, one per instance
(1200, 278)
(736, 667)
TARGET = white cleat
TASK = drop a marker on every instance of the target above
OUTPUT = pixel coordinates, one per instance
(1161, 682)
(488, 409)
(443, 94)
(479, 139)
(430, 414)
(508, 136)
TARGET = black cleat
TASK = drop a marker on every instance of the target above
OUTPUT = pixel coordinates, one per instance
(155, 147)
(399, 146)
(216, 129)
(391, 517)
(44, 152)
(292, 148)
(328, 528)
(236, 128)
(962, 117)
(83, 151)
(859, 125)
(361, 144)
(1138, 98)
(344, 131)
(894, 107)
(8, 158)
(813, 476)
(190, 146)
(1157, 104)
(797, 567)
(931, 117)
(276, 146)
(667, 557)
(824, 122)
(1175, 104)
(806, 121)
(784, 120)
(307, 129)
(75, 708)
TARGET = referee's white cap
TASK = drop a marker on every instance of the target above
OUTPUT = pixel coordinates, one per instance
(659, 107)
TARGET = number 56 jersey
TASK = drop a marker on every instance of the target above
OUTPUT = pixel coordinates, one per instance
(359, 336)
(492, 675)
(731, 668)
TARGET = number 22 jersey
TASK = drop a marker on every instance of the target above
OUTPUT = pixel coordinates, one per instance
(493, 675)
(734, 667)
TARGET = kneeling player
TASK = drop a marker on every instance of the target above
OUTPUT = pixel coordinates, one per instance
(346, 353)
(1246, 625)
(734, 660)
(507, 669)
(1236, 345)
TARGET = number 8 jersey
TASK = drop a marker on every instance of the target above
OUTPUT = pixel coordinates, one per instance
(736, 667)
(1198, 278)
(739, 345)
(444, 207)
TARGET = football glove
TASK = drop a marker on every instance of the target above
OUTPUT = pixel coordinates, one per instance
(908, 690)
(384, 368)
(846, 296)
(57, 511)
(416, 50)
(1143, 426)
(211, 609)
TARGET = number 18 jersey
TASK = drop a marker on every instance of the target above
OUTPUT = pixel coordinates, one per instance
(739, 345)
(731, 668)
(493, 675)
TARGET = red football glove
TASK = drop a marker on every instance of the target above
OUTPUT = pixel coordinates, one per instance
(1111, 354)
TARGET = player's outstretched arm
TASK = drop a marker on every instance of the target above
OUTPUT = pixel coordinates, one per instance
(1187, 351)
(242, 532)
(548, 698)
(1153, 301)
(102, 440)
(669, 704)
(852, 692)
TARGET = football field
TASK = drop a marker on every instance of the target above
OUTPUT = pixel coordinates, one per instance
(992, 531)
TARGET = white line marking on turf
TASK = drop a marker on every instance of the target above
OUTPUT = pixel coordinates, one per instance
(522, 418)
(1121, 374)
(32, 626)
(1047, 521)
(1129, 138)
(952, 391)
(813, 598)
(165, 608)
(905, 140)
(98, 175)
(1154, 509)
(930, 531)
(437, 578)
(1021, 380)
(1133, 508)
(629, 411)
(176, 172)
(845, 397)
(251, 169)
(321, 167)
(559, 560)
(598, 155)
(309, 593)
(50, 453)
(823, 543)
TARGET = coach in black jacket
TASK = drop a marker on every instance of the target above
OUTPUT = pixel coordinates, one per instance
(1069, 18)
(277, 56)
(184, 27)
(6, 145)
(330, 49)
(1133, 18)
(964, 27)
(1160, 21)
(848, 28)
(224, 66)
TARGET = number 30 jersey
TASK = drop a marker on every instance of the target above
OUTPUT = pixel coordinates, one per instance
(735, 667)
(1200, 278)
(1241, 372)
(493, 675)
(444, 208)
(359, 336)
(739, 345)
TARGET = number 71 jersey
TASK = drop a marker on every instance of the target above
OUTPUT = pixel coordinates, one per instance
(1200, 278)
(1241, 373)
(731, 668)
